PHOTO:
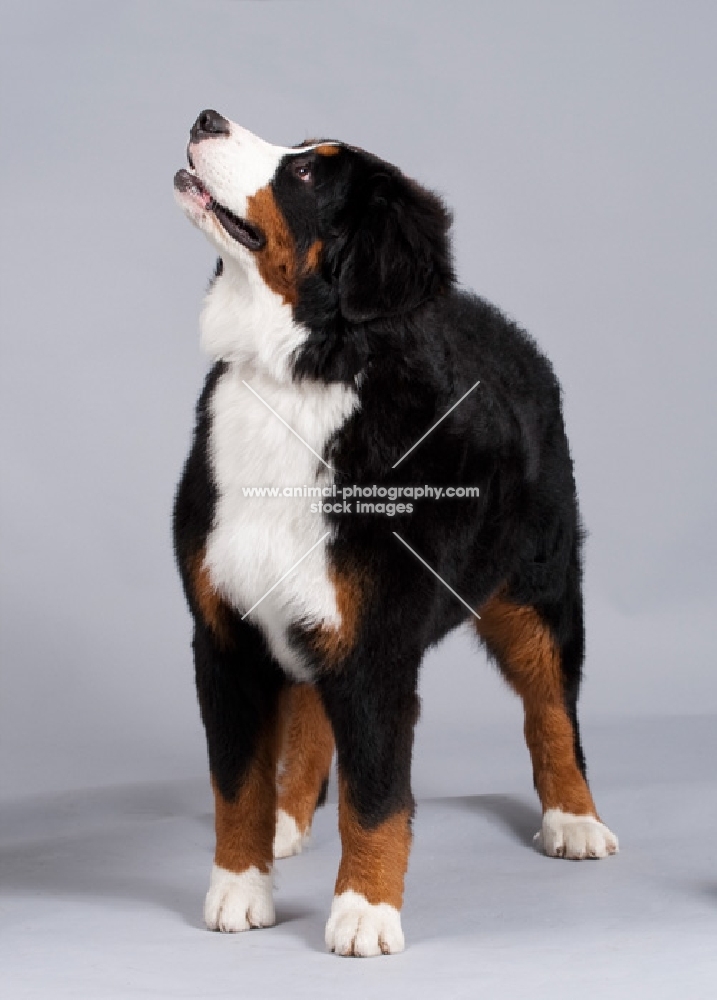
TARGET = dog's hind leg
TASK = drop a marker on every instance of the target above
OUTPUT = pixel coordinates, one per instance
(307, 746)
(546, 674)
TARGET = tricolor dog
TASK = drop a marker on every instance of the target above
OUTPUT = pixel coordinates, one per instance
(346, 362)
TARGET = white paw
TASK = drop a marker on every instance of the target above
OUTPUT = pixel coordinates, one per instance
(236, 902)
(356, 927)
(288, 838)
(564, 835)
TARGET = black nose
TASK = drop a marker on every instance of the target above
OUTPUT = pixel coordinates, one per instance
(207, 124)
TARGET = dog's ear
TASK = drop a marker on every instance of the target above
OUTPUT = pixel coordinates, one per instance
(397, 253)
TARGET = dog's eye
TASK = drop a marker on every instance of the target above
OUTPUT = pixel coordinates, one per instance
(302, 170)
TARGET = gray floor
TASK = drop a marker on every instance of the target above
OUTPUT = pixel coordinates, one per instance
(103, 888)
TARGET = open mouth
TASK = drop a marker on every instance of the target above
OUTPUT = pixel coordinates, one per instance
(239, 229)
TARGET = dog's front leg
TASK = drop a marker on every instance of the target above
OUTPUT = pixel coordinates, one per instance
(238, 688)
(373, 707)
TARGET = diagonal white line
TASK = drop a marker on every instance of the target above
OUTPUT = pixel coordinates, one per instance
(278, 417)
(292, 568)
(435, 425)
(436, 574)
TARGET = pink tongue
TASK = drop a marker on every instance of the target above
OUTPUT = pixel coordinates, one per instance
(199, 192)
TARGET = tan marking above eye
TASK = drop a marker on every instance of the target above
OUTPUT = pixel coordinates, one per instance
(327, 150)
(277, 260)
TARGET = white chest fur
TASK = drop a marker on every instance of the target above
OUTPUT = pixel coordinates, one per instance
(255, 540)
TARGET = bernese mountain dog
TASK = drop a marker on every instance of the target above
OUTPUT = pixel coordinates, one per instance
(378, 457)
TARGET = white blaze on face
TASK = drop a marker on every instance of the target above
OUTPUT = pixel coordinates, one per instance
(234, 167)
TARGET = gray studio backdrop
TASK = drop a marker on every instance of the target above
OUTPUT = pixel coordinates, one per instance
(576, 144)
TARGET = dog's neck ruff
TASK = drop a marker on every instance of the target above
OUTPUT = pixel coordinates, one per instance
(248, 325)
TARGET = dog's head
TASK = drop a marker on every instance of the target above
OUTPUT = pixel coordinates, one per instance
(330, 229)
